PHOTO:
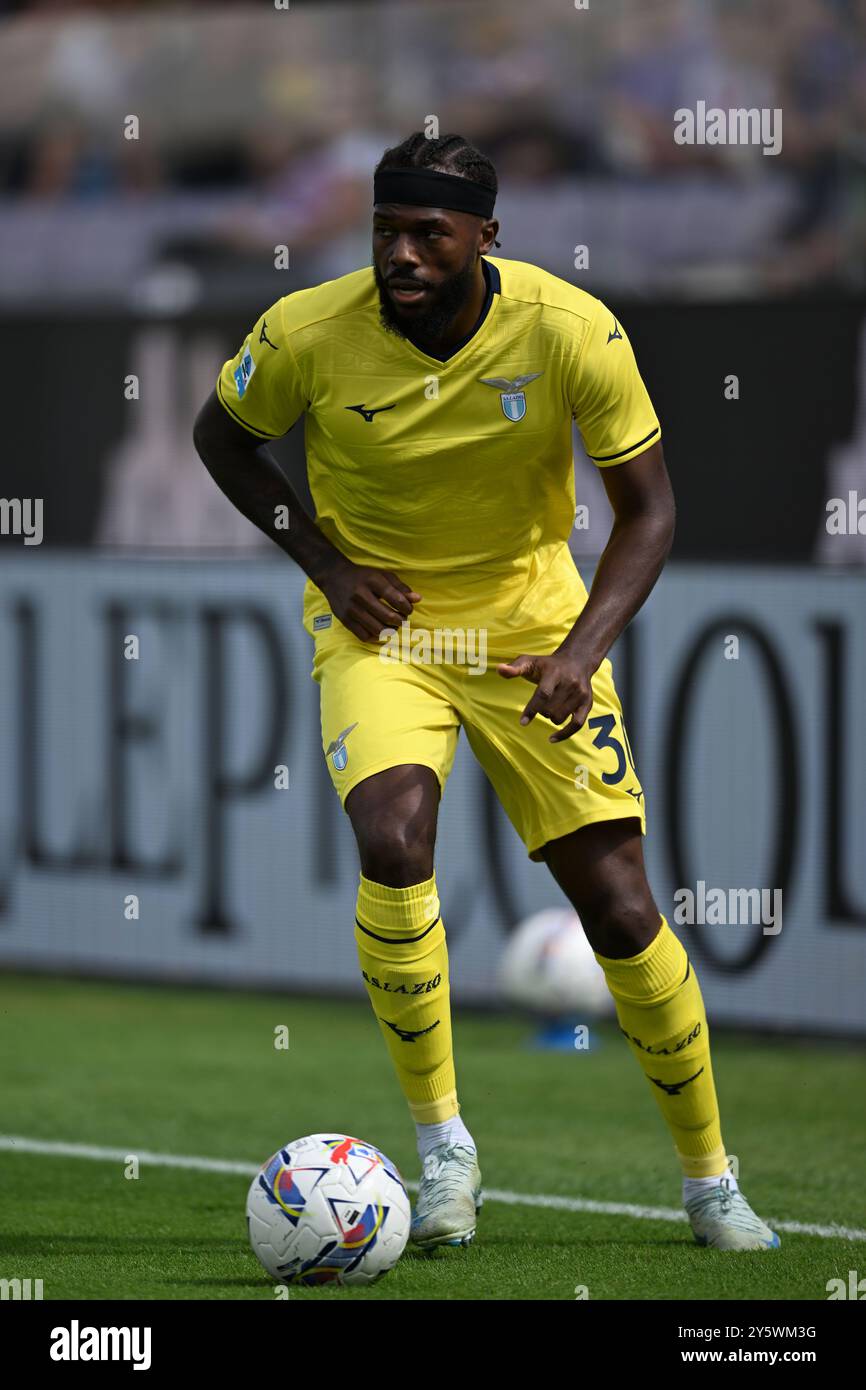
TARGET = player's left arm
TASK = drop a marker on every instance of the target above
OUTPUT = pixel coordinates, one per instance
(617, 420)
(642, 500)
(640, 494)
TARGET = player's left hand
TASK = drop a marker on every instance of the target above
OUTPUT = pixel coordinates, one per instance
(563, 693)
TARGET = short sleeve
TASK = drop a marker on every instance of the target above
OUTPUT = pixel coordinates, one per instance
(261, 386)
(609, 401)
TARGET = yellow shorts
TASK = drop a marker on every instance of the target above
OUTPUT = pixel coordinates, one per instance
(380, 713)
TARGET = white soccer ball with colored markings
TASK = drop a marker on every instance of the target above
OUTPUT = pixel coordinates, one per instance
(328, 1209)
(548, 966)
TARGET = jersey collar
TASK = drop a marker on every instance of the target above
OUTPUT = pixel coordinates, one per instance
(494, 287)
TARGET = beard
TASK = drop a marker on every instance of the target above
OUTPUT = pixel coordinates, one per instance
(445, 302)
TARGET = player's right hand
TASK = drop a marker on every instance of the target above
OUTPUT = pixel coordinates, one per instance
(367, 600)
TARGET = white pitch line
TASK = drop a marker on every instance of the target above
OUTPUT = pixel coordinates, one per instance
(13, 1143)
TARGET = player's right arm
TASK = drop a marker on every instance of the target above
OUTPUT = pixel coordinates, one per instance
(259, 396)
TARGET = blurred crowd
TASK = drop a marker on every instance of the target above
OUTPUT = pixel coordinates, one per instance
(258, 126)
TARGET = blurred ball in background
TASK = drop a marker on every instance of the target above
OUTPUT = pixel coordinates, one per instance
(549, 967)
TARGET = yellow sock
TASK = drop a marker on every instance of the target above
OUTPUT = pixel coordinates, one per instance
(661, 1012)
(404, 961)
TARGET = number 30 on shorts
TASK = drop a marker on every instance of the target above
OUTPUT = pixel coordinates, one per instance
(605, 724)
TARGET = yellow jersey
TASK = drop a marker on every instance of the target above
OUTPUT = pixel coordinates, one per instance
(456, 473)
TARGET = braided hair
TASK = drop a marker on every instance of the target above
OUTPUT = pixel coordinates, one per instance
(449, 154)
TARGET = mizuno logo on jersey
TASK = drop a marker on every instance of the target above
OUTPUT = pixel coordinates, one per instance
(263, 337)
(615, 334)
(369, 411)
(512, 398)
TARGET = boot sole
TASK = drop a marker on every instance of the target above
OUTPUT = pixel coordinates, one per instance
(455, 1238)
(773, 1244)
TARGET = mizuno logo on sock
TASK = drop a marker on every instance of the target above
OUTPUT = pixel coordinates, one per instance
(405, 1034)
(675, 1087)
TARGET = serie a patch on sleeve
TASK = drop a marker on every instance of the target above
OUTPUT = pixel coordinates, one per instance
(323, 620)
(244, 371)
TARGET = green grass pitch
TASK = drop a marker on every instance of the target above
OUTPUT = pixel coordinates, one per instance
(188, 1072)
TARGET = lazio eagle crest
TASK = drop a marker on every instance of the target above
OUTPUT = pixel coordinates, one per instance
(512, 399)
(337, 750)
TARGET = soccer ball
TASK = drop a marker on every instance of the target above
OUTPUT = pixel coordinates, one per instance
(548, 966)
(328, 1209)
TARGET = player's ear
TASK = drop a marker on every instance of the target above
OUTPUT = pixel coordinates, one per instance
(488, 236)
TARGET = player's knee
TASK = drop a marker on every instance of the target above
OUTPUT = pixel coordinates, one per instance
(620, 922)
(395, 864)
(395, 852)
(394, 817)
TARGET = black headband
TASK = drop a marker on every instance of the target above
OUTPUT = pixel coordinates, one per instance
(427, 188)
